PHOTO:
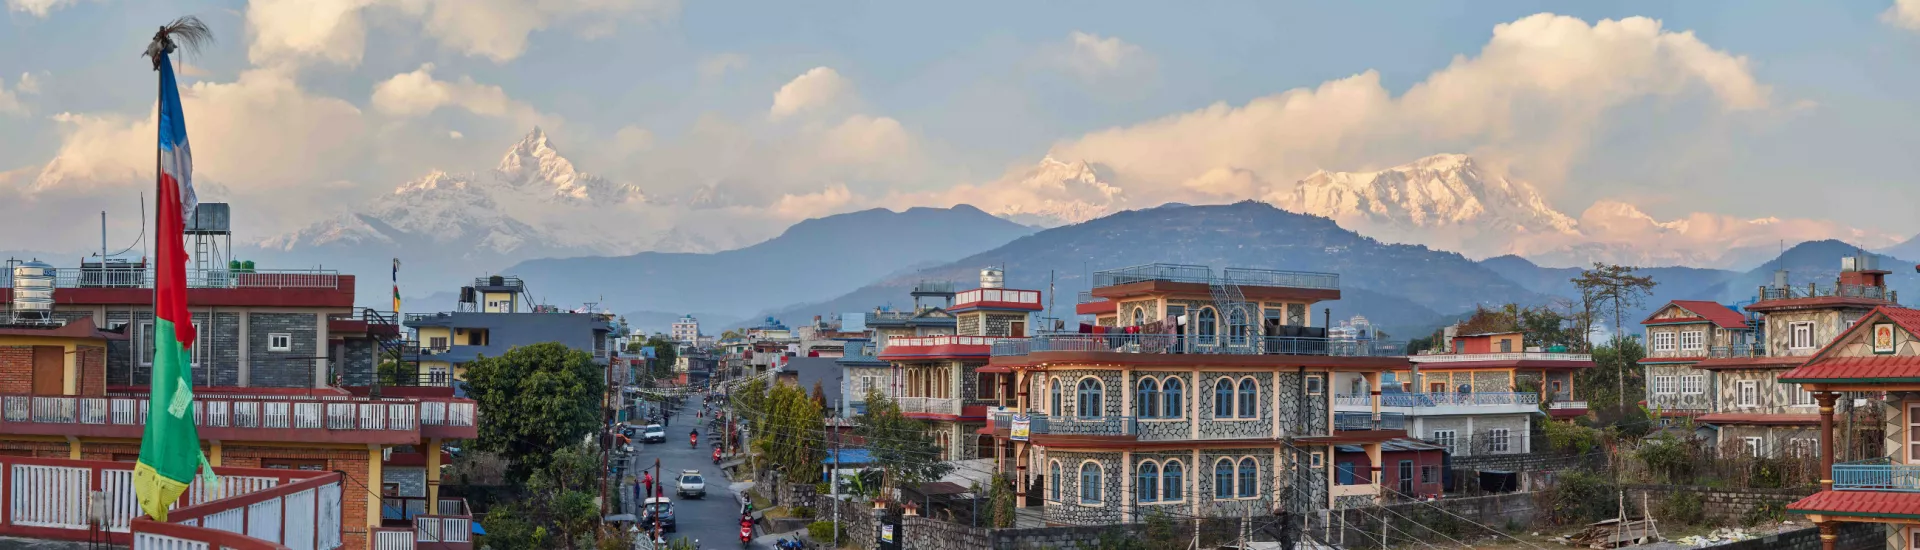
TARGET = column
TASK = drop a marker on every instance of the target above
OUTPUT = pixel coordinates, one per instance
(246, 359)
(1373, 389)
(1020, 480)
(1126, 506)
(433, 473)
(1828, 535)
(374, 477)
(1373, 455)
(214, 451)
(1825, 399)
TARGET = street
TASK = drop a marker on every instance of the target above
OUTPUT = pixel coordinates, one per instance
(713, 520)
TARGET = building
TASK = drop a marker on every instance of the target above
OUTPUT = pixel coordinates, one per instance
(862, 372)
(1751, 407)
(1195, 394)
(495, 315)
(1413, 468)
(1680, 336)
(935, 373)
(686, 329)
(282, 364)
(1483, 397)
(1879, 353)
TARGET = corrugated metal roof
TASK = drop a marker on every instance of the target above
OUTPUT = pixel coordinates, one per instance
(1881, 368)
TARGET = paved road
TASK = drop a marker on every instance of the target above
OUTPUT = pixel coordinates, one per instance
(713, 520)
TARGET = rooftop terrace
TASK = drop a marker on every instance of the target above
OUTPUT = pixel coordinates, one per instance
(1200, 274)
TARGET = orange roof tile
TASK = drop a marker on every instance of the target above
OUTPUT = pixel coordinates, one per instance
(1875, 504)
(1710, 311)
(1757, 418)
(1879, 368)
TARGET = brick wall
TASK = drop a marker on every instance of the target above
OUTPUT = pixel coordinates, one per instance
(283, 369)
(36, 449)
(353, 492)
(16, 369)
(1727, 506)
(93, 370)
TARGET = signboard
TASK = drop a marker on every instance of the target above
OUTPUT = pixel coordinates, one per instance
(1020, 429)
(886, 534)
(1883, 337)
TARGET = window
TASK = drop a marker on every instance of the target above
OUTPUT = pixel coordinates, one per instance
(437, 376)
(866, 384)
(1693, 384)
(1237, 326)
(1053, 475)
(1316, 385)
(1139, 315)
(1208, 326)
(293, 464)
(1444, 438)
(437, 343)
(1803, 447)
(1913, 423)
(1149, 483)
(1249, 478)
(1054, 393)
(1506, 346)
(1749, 393)
(1173, 486)
(1693, 340)
(1146, 400)
(1497, 440)
(1223, 479)
(1171, 391)
(1800, 336)
(146, 344)
(1223, 399)
(1089, 483)
(989, 385)
(1317, 460)
(1406, 477)
(1754, 446)
(1087, 398)
(1801, 397)
(1662, 341)
(1249, 399)
(279, 341)
(1429, 474)
(1662, 385)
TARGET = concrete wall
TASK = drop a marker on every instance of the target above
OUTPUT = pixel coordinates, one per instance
(1853, 536)
(1362, 525)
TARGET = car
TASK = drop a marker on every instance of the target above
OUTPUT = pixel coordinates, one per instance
(658, 510)
(692, 485)
(654, 434)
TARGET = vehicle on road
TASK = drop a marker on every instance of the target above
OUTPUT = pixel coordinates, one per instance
(654, 434)
(659, 510)
(692, 485)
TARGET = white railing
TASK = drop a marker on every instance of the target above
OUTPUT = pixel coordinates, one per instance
(929, 405)
(196, 278)
(394, 539)
(444, 413)
(943, 340)
(1441, 399)
(998, 295)
(302, 514)
(1567, 405)
(1530, 356)
(359, 415)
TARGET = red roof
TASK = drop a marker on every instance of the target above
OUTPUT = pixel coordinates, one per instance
(1757, 418)
(1883, 368)
(1729, 363)
(1888, 504)
(1708, 311)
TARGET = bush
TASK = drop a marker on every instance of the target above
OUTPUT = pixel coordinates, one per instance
(1685, 507)
(822, 532)
(1580, 496)
(802, 512)
(1666, 457)
(1566, 437)
(1765, 512)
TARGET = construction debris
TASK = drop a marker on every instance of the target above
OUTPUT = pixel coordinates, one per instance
(1614, 534)
(1717, 537)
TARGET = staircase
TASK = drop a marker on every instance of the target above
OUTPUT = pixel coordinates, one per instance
(395, 348)
(1232, 304)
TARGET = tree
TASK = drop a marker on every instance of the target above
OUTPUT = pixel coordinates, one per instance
(791, 433)
(665, 354)
(819, 395)
(536, 399)
(907, 454)
(1614, 384)
(1613, 288)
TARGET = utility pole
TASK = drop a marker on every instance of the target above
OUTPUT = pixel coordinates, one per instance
(835, 493)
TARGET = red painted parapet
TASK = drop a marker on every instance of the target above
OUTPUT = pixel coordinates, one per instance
(49, 498)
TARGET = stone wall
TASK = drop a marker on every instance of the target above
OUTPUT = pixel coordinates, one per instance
(282, 369)
(1853, 536)
(1454, 516)
(920, 533)
(1722, 506)
(1518, 462)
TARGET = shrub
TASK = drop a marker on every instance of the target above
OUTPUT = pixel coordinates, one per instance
(1666, 457)
(822, 531)
(1765, 512)
(1684, 507)
(1580, 496)
(1571, 438)
(802, 512)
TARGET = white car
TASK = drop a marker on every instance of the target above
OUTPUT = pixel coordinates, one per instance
(654, 434)
(692, 485)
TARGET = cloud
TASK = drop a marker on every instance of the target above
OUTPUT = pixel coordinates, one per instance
(10, 99)
(1092, 57)
(418, 93)
(715, 66)
(28, 84)
(1904, 14)
(455, 134)
(1709, 235)
(820, 88)
(39, 8)
(334, 31)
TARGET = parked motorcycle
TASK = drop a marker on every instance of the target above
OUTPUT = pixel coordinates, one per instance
(795, 544)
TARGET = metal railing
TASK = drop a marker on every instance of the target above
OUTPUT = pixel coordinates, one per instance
(929, 405)
(70, 277)
(1511, 356)
(998, 295)
(1441, 399)
(1198, 344)
(1351, 421)
(1837, 290)
(302, 513)
(341, 414)
(504, 281)
(1556, 405)
(1755, 349)
(1876, 474)
(942, 340)
(1180, 273)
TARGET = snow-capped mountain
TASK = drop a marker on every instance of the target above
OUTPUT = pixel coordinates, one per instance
(1449, 196)
(1056, 193)
(534, 165)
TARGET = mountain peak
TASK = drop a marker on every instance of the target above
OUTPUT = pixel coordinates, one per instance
(1056, 192)
(535, 164)
(1439, 191)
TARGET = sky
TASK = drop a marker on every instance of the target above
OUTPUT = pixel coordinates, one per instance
(304, 109)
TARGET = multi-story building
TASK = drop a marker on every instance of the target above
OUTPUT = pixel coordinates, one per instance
(686, 329)
(1878, 355)
(1196, 395)
(1483, 397)
(1753, 409)
(1680, 336)
(274, 363)
(862, 372)
(495, 315)
(936, 378)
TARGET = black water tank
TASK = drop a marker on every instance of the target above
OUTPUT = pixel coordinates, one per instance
(466, 295)
(497, 280)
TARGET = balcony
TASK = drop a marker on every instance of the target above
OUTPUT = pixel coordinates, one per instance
(1363, 421)
(1513, 356)
(1876, 474)
(112, 277)
(929, 405)
(254, 508)
(1839, 291)
(1200, 274)
(247, 418)
(1197, 344)
(1443, 403)
(1755, 349)
(450, 527)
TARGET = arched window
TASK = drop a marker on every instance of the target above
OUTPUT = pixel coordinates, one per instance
(1209, 326)
(1249, 399)
(1053, 392)
(1139, 315)
(1053, 479)
(1173, 486)
(1088, 398)
(1223, 399)
(1089, 483)
(1149, 482)
(1173, 407)
(1223, 479)
(1237, 326)
(1146, 402)
(1249, 478)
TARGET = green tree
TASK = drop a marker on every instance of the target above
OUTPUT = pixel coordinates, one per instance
(1614, 385)
(535, 400)
(1000, 500)
(902, 447)
(510, 528)
(791, 432)
(1614, 289)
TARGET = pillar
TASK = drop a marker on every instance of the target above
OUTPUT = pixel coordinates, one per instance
(1825, 399)
(433, 473)
(1373, 389)
(1373, 455)
(73, 448)
(1020, 480)
(374, 479)
(214, 451)
(1126, 487)
(1829, 535)
(70, 366)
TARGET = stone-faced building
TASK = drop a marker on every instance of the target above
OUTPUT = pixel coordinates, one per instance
(1879, 354)
(495, 315)
(1753, 409)
(937, 378)
(1209, 396)
(1483, 397)
(271, 368)
(1680, 335)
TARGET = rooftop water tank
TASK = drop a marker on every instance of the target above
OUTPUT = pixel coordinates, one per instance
(33, 291)
(993, 277)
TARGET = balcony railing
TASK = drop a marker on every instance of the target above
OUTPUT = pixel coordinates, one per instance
(998, 295)
(942, 340)
(60, 413)
(1838, 290)
(1528, 356)
(1348, 421)
(1443, 399)
(1755, 349)
(1198, 344)
(70, 277)
(1567, 405)
(303, 513)
(929, 405)
(1877, 474)
(1177, 273)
